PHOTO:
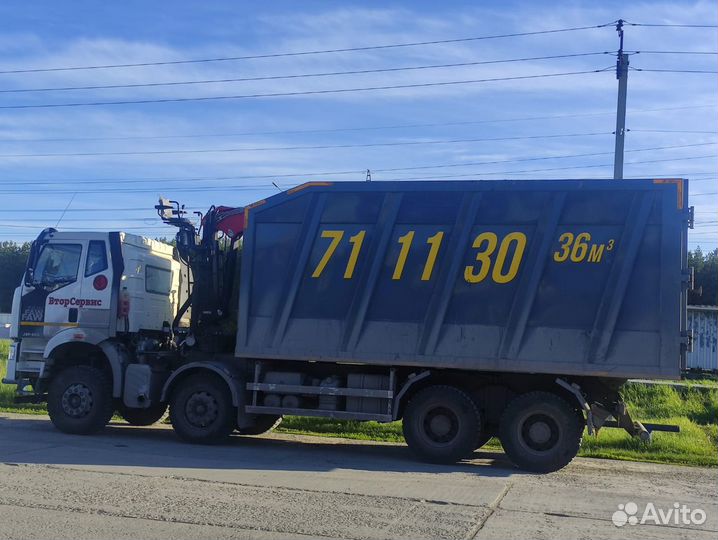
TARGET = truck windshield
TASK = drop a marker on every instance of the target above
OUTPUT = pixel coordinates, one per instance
(57, 263)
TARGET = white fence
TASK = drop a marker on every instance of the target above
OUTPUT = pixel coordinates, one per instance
(4, 325)
(703, 321)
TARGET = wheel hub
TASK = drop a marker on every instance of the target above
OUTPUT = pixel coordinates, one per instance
(440, 425)
(540, 432)
(77, 400)
(201, 409)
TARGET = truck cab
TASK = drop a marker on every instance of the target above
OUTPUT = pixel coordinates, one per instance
(87, 298)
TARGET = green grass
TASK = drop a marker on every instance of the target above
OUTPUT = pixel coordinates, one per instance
(663, 401)
(8, 391)
(694, 445)
(694, 410)
(350, 429)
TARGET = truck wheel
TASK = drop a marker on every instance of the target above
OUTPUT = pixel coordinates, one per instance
(201, 410)
(540, 432)
(264, 424)
(441, 424)
(79, 400)
(143, 417)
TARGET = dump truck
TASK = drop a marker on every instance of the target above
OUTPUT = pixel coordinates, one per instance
(465, 309)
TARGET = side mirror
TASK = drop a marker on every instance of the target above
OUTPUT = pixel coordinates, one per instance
(29, 277)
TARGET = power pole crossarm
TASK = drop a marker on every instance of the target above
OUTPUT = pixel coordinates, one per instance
(622, 76)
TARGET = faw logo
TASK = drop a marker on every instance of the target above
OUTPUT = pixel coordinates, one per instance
(33, 314)
(79, 302)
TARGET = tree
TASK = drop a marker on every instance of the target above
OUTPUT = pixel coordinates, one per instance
(705, 268)
(12, 265)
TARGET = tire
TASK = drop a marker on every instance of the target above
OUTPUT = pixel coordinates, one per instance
(79, 400)
(143, 417)
(201, 410)
(441, 424)
(264, 424)
(540, 432)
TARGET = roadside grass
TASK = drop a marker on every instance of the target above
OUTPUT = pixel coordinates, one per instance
(7, 391)
(694, 410)
(662, 401)
(694, 445)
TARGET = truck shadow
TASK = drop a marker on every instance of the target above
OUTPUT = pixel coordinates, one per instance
(38, 442)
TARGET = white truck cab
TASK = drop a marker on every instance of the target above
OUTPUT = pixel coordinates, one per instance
(87, 293)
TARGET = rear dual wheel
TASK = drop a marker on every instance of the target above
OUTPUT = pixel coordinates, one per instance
(442, 424)
(540, 432)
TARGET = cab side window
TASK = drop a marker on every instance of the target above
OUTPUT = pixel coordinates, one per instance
(158, 280)
(96, 258)
(58, 264)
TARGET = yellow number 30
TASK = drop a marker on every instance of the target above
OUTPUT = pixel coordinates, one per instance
(486, 243)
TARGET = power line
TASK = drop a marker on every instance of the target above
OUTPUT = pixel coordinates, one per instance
(674, 52)
(155, 221)
(302, 92)
(661, 25)
(359, 128)
(105, 209)
(671, 131)
(357, 171)
(306, 53)
(315, 147)
(673, 70)
(244, 187)
(122, 228)
(467, 175)
(301, 75)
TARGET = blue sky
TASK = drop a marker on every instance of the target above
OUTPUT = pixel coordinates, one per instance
(259, 136)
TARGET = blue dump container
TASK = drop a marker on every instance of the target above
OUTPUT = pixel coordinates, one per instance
(574, 277)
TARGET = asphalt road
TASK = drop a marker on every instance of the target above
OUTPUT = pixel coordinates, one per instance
(142, 483)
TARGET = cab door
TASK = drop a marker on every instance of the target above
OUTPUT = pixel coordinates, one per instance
(94, 307)
(48, 298)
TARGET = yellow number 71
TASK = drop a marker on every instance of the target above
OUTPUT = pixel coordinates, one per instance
(336, 237)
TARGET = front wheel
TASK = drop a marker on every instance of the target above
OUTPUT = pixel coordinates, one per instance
(201, 409)
(442, 424)
(79, 400)
(143, 417)
(540, 432)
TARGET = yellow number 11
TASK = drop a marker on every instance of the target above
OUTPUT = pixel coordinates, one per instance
(406, 241)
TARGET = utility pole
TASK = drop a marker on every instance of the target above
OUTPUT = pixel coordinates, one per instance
(622, 76)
